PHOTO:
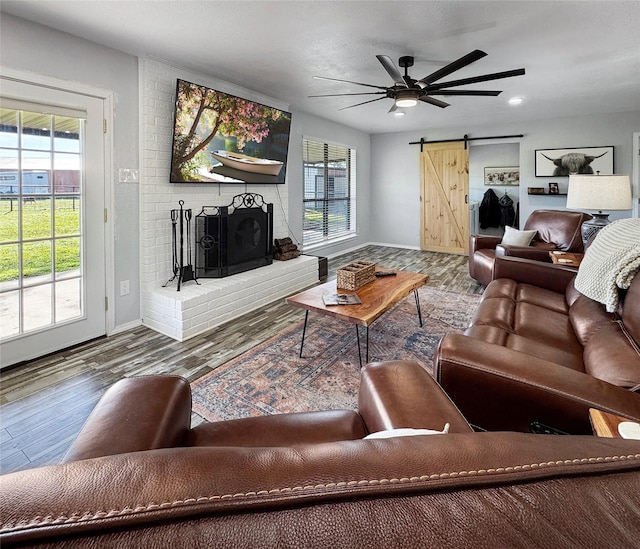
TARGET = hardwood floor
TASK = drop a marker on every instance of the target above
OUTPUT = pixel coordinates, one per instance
(44, 403)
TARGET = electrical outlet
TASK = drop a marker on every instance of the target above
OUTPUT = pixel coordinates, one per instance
(124, 287)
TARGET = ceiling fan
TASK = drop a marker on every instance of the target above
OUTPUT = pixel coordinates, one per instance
(406, 91)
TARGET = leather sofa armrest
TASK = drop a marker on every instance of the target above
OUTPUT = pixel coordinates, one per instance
(545, 275)
(497, 388)
(135, 414)
(528, 252)
(482, 241)
(399, 394)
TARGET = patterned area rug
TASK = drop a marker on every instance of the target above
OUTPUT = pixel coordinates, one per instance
(272, 379)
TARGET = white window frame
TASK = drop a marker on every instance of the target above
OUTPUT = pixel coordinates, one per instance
(319, 187)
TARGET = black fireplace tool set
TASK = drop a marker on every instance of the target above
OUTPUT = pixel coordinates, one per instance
(181, 229)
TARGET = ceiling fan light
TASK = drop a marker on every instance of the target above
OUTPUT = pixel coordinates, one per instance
(406, 102)
(406, 98)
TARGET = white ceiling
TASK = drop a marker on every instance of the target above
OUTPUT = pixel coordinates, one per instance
(580, 56)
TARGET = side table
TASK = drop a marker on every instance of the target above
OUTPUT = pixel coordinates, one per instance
(567, 259)
(605, 424)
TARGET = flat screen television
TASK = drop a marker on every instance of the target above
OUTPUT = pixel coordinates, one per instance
(221, 138)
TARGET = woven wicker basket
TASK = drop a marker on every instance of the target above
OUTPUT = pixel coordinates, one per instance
(355, 275)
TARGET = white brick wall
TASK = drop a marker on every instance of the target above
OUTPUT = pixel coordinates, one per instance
(158, 196)
(198, 308)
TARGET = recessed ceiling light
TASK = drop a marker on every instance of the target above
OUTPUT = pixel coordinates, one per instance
(399, 113)
(515, 100)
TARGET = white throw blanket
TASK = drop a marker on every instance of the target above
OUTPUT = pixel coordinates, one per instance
(610, 262)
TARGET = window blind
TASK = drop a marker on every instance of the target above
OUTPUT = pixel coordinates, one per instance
(329, 192)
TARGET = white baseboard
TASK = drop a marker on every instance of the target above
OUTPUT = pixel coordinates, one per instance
(386, 245)
(125, 327)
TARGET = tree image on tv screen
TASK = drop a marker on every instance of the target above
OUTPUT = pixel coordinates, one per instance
(208, 120)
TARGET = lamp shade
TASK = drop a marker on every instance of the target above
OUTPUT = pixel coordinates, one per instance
(599, 192)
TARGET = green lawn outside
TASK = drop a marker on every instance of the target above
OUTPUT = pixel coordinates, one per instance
(36, 223)
(316, 217)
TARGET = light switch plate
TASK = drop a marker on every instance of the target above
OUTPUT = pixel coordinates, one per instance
(127, 175)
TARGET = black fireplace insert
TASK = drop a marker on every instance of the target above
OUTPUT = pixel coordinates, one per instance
(235, 238)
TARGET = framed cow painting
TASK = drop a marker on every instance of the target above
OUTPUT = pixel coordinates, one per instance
(585, 160)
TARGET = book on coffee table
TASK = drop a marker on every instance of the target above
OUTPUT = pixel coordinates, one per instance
(341, 299)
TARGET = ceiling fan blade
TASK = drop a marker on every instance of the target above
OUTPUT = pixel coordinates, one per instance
(433, 101)
(363, 103)
(492, 93)
(474, 79)
(454, 66)
(392, 70)
(341, 94)
(349, 82)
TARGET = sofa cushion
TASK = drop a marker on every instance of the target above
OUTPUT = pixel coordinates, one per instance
(542, 297)
(280, 429)
(587, 317)
(524, 319)
(514, 237)
(526, 293)
(528, 319)
(546, 326)
(503, 287)
(533, 347)
(612, 356)
(561, 230)
(498, 312)
(528, 311)
(542, 245)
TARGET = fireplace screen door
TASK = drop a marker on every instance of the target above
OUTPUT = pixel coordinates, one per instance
(51, 221)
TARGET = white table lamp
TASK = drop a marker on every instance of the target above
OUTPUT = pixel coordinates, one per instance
(598, 193)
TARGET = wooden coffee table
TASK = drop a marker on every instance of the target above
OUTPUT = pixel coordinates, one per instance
(377, 298)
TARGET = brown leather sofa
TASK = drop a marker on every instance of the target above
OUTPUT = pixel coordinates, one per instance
(139, 476)
(538, 354)
(556, 230)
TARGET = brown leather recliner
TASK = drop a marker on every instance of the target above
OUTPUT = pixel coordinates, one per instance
(139, 476)
(556, 230)
(538, 354)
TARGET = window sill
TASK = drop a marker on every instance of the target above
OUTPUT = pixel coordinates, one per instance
(325, 243)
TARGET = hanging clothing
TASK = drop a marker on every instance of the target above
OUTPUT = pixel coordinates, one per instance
(507, 213)
(490, 212)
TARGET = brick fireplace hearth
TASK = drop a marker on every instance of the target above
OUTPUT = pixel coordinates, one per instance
(198, 308)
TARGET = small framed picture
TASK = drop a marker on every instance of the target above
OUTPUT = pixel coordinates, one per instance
(553, 188)
(502, 176)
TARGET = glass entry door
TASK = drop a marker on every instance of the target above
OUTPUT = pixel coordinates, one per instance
(52, 282)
